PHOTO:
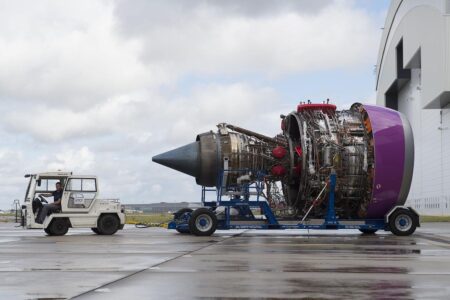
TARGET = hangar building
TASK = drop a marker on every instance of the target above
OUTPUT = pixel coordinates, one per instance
(413, 76)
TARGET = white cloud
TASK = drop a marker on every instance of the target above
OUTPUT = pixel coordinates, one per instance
(156, 188)
(67, 56)
(372, 98)
(80, 160)
(10, 184)
(100, 86)
(56, 123)
(209, 105)
(207, 40)
(8, 159)
(143, 119)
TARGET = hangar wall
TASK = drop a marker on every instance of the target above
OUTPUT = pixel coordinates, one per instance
(413, 76)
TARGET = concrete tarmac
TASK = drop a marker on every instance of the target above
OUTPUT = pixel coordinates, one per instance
(154, 263)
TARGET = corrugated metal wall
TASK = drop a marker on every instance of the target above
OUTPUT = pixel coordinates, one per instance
(446, 158)
(430, 189)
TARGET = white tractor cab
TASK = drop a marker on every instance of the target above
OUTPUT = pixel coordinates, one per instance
(80, 207)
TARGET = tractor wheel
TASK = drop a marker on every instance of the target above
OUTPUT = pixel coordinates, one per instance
(48, 231)
(403, 222)
(203, 222)
(368, 231)
(59, 226)
(108, 224)
(95, 230)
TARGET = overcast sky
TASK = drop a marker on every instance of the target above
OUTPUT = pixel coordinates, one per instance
(99, 87)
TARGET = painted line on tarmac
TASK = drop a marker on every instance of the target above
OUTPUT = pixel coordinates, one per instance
(439, 240)
(104, 286)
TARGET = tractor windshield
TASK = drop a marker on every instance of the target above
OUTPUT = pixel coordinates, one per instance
(30, 184)
(46, 185)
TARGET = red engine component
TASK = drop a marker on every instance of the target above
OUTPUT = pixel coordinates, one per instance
(278, 170)
(298, 169)
(279, 152)
(316, 106)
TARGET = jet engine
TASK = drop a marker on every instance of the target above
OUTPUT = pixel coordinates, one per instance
(370, 148)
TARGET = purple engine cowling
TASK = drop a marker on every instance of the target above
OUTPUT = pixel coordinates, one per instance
(394, 159)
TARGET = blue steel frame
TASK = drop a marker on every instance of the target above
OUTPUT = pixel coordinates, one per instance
(242, 202)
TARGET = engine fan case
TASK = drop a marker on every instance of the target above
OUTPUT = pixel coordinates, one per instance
(394, 159)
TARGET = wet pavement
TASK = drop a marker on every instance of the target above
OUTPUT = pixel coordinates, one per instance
(154, 263)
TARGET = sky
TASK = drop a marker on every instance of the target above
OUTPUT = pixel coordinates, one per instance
(98, 87)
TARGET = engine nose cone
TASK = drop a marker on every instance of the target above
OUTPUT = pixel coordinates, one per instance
(185, 159)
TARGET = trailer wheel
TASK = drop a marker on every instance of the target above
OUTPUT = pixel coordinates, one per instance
(58, 227)
(181, 212)
(203, 222)
(368, 231)
(108, 224)
(95, 230)
(402, 222)
(177, 217)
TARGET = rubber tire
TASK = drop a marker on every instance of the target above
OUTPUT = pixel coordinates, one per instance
(108, 224)
(178, 214)
(198, 213)
(95, 230)
(397, 214)
(58, 227)
(368, 231)
(48, 231)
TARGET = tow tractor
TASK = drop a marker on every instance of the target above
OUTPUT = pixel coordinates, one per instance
(80, 207)
(234, 208)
